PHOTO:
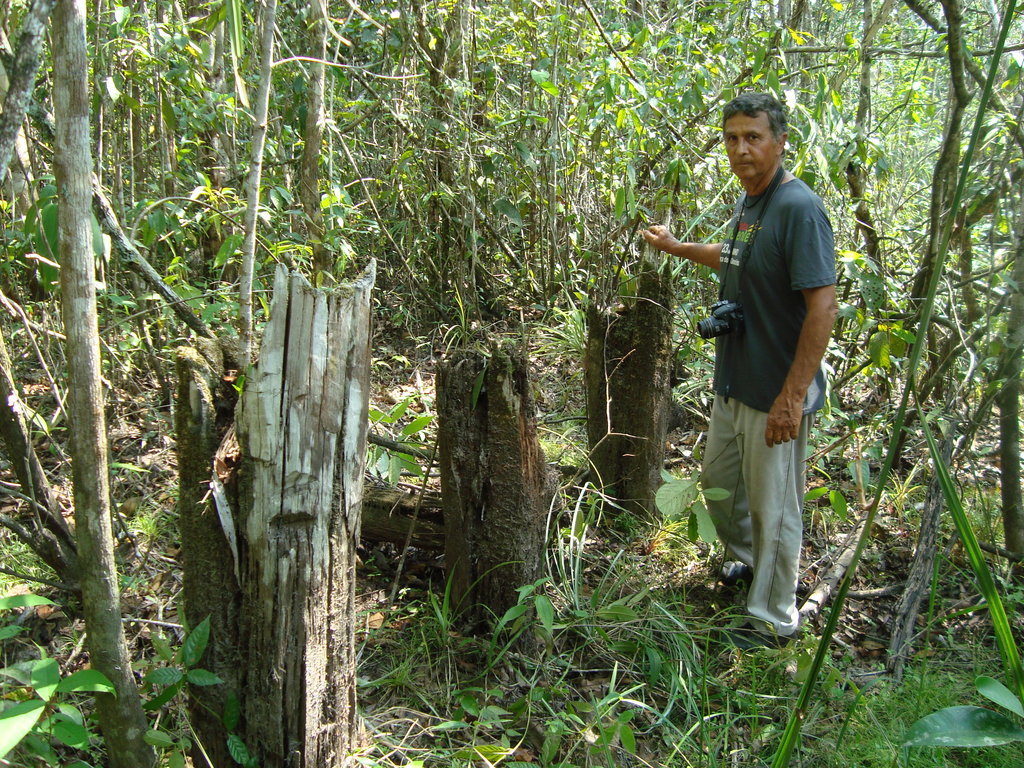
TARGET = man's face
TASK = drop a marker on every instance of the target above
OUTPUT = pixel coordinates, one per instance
(754, 153)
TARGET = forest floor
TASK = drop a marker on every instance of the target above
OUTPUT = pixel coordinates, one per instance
(628, 668)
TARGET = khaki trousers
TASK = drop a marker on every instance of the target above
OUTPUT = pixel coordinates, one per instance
(761, 522)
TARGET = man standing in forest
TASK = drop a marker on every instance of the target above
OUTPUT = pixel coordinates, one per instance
(772, 323)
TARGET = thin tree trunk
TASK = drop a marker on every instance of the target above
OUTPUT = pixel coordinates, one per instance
(1009, 406)
(309, 173)
(121, 717)
(494, 484)
(22, 77)
(302, 424)
(252, 184)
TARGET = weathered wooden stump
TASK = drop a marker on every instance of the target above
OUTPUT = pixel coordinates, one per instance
(281, 535)
(494, 482)
(628, 372)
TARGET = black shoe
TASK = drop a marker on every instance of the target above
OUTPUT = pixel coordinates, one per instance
(749, 638)
(735, 573)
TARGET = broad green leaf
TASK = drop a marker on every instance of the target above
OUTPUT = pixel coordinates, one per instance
(963, 727)
(69, 732)
(86, 680)
(164, 676)
(617, 613)
(22, 601)
(716, 494)
(416, 425)
(160, 739)
(546, 613)
(509, 210)
(203, 677)
(675, 497)
(16, 722)
(45, 678)
(195, 644)
(543, 79)
(237, 749)
(10, 631)
(878, 349)
(995, 691)
(705, 525)
(511, 615)
(839, 505)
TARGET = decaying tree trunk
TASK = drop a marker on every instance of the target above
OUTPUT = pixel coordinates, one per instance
(301, 426)
(628, 371)
(269, 539)
(494, 483)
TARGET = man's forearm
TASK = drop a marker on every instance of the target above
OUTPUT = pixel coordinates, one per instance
(708, 254)
(813, 340)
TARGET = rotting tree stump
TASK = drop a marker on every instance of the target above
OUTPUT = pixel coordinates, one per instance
(495, 486)
(283, 525)
(628, 373)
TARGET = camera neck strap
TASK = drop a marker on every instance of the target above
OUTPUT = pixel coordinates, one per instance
(748, 248)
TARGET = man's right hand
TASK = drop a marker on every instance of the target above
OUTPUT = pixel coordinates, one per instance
(659, 237)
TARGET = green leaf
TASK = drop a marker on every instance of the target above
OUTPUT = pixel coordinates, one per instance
(543, 79)
(509, 210)
(716, 494)
(22, 601)
(10, 631)
(838, 502)
(705, 525)
(513, 613)
(86, 680)
(416, 425)
(195, 644)
(45, 678)
(237, 749)
(164, 676)
(16, 722)
(963, 727)
(617, 613)
(159, 739)
(996, 692)
(675, 498)
(203, 677)
(69, 732)
(545, 613)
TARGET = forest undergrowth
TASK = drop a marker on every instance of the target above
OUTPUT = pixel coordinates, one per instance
(614, 657)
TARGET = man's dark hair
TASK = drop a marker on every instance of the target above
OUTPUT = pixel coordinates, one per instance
(751, 104)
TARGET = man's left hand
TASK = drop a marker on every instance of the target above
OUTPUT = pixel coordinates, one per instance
(784, 419)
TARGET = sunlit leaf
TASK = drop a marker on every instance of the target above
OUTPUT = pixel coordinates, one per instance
(963, 727)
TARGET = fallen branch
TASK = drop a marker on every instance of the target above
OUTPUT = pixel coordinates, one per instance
(826, 585)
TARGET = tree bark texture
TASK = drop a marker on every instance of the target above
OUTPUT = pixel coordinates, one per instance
(628, 371)
(301, 426)
(121, 717)
(210, 587)
(22, 77)
(494, 483)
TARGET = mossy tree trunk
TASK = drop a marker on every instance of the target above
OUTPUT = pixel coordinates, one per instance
(628, 371)
(494, 482)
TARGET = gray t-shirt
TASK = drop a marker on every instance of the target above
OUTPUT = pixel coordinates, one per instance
(793, 250)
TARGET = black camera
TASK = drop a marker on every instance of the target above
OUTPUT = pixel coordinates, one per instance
(726, 317)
